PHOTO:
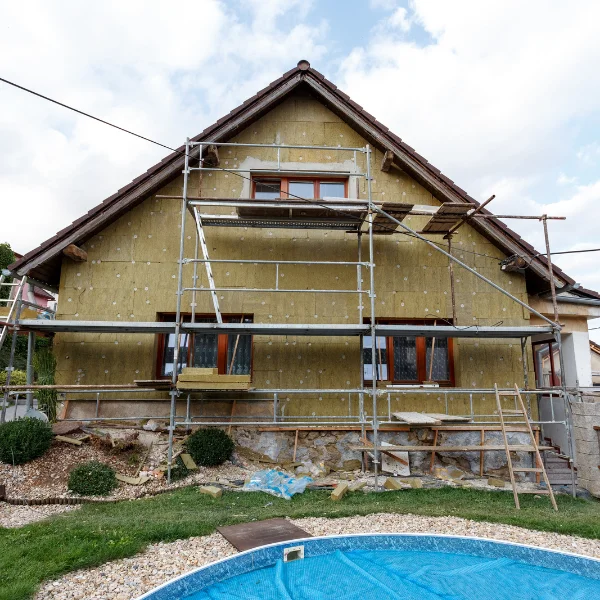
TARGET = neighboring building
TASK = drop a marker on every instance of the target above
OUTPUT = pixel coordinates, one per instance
(595, 359)
(130, 275)
(41, 302)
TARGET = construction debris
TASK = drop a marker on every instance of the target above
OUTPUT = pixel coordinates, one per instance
(68, 440)
(188, 461)
(340, 491)
(211, 490)
(132, 480)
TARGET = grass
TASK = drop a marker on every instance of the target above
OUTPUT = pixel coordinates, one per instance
(102, 532)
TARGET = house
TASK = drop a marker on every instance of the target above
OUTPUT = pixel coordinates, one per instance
(41, 303)
(595, 360)
(444, 336)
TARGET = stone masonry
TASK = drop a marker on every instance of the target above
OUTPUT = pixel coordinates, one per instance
(586, 416)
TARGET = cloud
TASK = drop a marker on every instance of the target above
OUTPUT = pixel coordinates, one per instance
(493, 101)
(564, 180)
(148, 66)
(589, 154)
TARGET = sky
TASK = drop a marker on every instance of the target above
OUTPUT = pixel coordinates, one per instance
(503, 96)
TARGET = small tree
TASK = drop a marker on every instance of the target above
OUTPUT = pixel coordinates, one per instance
(7, 257)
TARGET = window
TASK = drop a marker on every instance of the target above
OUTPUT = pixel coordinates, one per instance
(299, 187)
(230, 353)
(408, 359)
(547, 364)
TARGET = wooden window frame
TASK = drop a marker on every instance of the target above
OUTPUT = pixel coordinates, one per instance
(222, 343)
(285, 184)
(421, 348)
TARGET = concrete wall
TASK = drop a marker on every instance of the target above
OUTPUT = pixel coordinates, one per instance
(131, 274)
(586, 415)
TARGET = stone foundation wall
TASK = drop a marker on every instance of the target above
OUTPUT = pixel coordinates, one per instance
(333, 449)
(586, 415)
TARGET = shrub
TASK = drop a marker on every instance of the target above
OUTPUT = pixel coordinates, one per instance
(17, 378)
(44, 363)
(92, 479)
(23, 440)
(210, 447)
(178, 470)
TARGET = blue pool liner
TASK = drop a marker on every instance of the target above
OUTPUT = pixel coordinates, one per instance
(391, 566)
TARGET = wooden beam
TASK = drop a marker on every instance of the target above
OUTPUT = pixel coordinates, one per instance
(211, 158)
(388, 159)
(75, 253)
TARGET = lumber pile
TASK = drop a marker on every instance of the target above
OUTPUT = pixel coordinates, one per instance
(193, 378)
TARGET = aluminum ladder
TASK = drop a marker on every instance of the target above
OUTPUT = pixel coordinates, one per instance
(522, 412)
(13, 302)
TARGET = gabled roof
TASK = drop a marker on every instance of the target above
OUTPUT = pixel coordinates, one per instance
(43, 262)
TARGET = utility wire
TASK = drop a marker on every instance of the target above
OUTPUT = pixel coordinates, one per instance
(182, 153)
(90, 116)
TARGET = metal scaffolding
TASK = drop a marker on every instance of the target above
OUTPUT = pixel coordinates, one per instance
(360, 216)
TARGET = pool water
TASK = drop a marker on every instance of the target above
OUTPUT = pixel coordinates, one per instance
(369, 574)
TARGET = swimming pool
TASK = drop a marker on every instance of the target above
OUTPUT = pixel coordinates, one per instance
(395, 566)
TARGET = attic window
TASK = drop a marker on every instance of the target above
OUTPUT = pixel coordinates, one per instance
(299, 187)
(267, 189)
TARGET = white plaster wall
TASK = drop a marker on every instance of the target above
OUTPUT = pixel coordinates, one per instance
(576, 353)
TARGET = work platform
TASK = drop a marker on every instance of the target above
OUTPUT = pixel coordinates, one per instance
(313, 329)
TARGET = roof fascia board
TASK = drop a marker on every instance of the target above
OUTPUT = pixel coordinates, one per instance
(166, 173)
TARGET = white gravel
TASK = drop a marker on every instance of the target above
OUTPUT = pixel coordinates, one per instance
(129, 578)
(18, 516)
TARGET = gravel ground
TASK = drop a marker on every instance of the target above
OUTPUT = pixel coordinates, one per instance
(129, 578)
(18, 516)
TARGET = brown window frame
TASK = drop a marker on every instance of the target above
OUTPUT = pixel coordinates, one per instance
(222, 342)
(421, 348)
(285, 184)
(555, 380)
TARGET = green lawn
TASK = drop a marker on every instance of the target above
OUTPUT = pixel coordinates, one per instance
(102, 532)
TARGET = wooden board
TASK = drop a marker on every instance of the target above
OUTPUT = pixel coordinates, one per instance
(439, 449)
(68, 440)
(199, 385)
(188, 461)
(415, 418)
(448, 215)
(259, 533)
(153, 383)
(382, 225)
(215, 378)
(444, 417)
(199, 371)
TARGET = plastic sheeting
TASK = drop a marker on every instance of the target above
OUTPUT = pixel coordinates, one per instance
(276, 483)
(382, 574)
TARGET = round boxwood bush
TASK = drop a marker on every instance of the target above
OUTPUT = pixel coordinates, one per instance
(92, 479)
(17, 377)
(23, 440)
(210, 447)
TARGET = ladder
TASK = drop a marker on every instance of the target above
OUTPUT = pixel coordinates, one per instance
(209, 273)
(13, 302)
(521, 412)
